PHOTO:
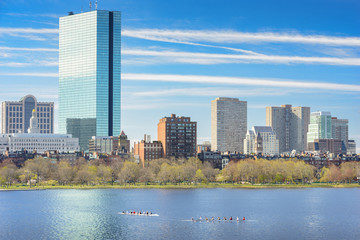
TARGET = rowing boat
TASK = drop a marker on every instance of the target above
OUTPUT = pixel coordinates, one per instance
(137, 214)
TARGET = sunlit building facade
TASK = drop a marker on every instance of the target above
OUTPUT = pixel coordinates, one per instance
(16, 115)
(89, 75)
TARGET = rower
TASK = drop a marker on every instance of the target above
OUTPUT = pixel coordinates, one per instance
(192, 219)
(230, 219)
(225, 218)
(237, 219)
(243, 218)
(219, 218)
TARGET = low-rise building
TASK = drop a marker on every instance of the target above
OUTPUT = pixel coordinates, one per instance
(326, 145)
(147, 150)
(351, 147)
(39, 142)
(214, 158)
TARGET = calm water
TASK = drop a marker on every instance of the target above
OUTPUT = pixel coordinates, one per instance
(93, 214)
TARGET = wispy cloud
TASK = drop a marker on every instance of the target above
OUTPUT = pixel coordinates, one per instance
(29, 49)
(46, 15)
(211, 58)
(221, 36)
(29, 74)
(211, 91)
(283, 83)
(4, 30)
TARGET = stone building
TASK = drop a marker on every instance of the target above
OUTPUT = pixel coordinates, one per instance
(290, 125)
(228, 124)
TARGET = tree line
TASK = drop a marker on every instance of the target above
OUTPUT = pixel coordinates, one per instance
(41, 170)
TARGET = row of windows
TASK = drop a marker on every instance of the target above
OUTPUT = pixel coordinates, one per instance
(38, 109)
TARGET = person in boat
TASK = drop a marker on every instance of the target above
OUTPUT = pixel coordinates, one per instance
(200, 218)
(219, 218)
(206, 219)
(243, 218)
(230, 219)
(212, 219)
(225, 219)
(237, 219)
(192, 219)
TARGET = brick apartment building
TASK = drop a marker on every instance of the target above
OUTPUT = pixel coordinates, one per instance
(146, 150)
(178, 136)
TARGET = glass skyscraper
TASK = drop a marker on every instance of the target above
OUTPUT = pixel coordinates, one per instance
(89, 75)
(320, 126)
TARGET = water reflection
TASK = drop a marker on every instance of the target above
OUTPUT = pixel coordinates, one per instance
(93, 214)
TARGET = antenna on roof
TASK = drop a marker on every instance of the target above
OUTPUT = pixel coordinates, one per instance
(90, 5)
(96, 5)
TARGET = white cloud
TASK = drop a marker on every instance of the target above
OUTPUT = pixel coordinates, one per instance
(29, 74)
(4, 30)
(212, 58)
(211, 91)
(287, 83)
(29, 49)
(221, 36)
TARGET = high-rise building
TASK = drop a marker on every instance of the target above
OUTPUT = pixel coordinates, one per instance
(340, 130)
(261, 139)
(290, 125)
(228, 124)
(16, 115)
(320, 126)
(89, 74)
(178, 136)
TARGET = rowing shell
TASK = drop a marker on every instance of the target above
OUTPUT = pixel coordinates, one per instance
(143, 214)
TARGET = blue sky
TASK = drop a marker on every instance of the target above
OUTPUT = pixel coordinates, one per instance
(177, 56)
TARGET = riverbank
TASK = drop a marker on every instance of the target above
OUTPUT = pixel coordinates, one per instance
(182, 186)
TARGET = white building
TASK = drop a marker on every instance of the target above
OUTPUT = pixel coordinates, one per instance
(228, 124)
(261, 139)
(16, 115)
(36, 141)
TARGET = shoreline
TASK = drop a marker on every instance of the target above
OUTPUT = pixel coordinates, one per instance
(174, 186)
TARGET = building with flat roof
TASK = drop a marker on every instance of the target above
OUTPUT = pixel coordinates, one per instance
(325, 145)
(320, 126)
(145, 150)
(228, 124)
(351, 149)
(261, 140)
(38, 142)
(340, 130)
(178, 136)
(89, 74)
(16, 115)
(290, 125)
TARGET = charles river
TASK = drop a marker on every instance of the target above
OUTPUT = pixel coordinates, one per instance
(313, 213)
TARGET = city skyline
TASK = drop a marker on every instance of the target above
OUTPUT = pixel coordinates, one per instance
(177, 58)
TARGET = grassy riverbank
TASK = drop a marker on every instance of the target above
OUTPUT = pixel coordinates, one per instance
(181, 186)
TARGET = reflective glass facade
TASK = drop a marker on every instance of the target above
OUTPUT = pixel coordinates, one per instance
(320, 126)
(89, 75)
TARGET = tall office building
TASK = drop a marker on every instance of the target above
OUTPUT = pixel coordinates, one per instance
(178, 136)
(340, 130)
(89, 74)
(16, 115)
(320, 126)
(290, 125)
(228, 124)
